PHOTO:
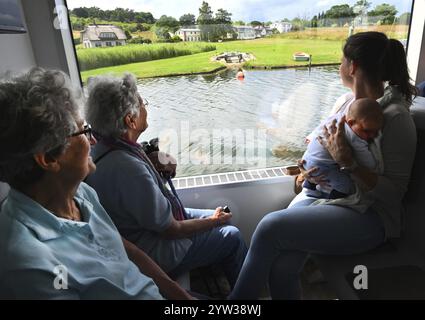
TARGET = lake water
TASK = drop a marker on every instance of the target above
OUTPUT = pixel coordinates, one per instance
(217, 123)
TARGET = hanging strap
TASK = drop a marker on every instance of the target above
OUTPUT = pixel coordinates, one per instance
(173, 190)
(103, 155)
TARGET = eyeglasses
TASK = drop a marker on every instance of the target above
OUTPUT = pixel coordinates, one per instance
(145, 102)
(87, 131)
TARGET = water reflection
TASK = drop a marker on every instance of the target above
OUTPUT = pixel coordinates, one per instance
(268, 115)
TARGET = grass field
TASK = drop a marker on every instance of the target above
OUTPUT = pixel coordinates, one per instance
(324, 44)
(392, 31)
(267, 52)
(175, 66)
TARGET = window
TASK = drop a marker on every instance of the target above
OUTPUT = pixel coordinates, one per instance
(10, 17)
(107, 35)
(216, 123)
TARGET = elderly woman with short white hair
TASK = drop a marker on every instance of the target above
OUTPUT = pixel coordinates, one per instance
(56, 240)
(132, 190)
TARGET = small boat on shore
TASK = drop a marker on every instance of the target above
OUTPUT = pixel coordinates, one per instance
(301, 56)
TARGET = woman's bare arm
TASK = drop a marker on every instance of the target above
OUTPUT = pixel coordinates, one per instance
(168, 287)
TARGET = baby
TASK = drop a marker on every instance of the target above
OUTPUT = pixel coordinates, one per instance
(364, 120)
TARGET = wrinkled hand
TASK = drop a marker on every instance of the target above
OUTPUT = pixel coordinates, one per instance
(335, 142)
(164, 163)
(311, 175)
(220, 216)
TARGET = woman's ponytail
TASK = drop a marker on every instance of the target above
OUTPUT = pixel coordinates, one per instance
(395, 70)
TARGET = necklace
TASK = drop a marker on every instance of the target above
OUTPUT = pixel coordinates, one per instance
(75, 213)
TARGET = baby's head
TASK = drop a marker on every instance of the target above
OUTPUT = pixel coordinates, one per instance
(365, 118)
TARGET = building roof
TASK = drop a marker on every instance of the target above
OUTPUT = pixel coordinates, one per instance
(190, 28)
(95, 32)
(244, 27)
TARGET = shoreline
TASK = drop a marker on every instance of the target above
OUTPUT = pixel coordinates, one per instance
(222, 68)
(216, 70)
(293, 66)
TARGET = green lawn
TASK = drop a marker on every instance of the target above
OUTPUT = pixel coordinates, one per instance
(278, 52)
(269, 52)
(174, 66)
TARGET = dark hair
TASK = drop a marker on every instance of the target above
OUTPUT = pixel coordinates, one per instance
(37, 114)
(381, 59)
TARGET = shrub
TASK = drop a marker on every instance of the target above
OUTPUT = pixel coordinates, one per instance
(93, 58)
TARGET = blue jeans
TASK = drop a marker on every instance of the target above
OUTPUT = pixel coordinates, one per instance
(222, 246)
(283, 239)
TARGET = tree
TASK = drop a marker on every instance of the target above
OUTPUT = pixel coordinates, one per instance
(297, 24)
(223, 17)
(239, 23)
(169, 23)
(256, 23)
(405, 18)
(384, 12)
(205, 14)
(80, 12)
(162, 33)
(341, 14)
(187, 19)
(363, 3)
(144, 17)
(143, 26)
(128, 34)
(314, 22)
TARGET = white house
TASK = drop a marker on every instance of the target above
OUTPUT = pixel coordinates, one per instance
(102, 35)
(261, 31)
(189, 34)
(245, 32)
(281, 26)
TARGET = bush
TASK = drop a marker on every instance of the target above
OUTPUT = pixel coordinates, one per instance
(137, 40)
(176, 39)
(93, 58)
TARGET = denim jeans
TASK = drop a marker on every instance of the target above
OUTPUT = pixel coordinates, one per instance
(283, 239)
(222, 246)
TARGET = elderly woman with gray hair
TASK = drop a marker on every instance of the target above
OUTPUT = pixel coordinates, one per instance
(56, 240)
(132, 190)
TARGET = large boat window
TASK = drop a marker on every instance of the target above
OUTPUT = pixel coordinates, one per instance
(232, 85)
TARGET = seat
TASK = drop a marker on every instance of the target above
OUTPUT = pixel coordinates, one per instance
(396, 270)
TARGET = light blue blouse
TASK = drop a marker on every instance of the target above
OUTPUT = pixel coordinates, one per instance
(46, 257)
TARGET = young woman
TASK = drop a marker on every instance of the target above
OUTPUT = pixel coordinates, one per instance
(283, 239)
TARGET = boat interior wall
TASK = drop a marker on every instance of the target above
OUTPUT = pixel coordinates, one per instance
(16, 52)
(400, 262)
(45, 44)
(46, 40)
(249, 201)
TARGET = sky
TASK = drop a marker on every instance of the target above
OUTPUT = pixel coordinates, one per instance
(245, 10)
